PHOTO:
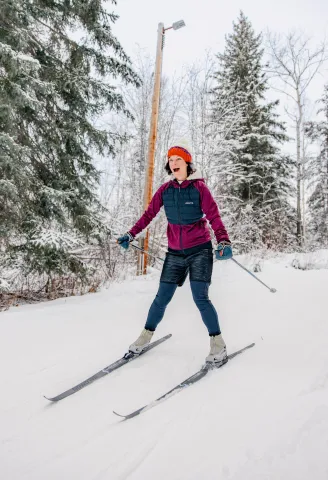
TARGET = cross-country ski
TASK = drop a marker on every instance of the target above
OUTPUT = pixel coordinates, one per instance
(186, 383)
(128, 357)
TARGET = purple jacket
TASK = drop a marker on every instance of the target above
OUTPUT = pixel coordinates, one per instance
(181, 235)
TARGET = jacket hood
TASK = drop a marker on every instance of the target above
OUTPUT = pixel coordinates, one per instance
(194, 176)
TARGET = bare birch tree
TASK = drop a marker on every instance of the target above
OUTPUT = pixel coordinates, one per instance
(295, 63)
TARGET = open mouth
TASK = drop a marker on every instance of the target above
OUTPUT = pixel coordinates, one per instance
(175, 170)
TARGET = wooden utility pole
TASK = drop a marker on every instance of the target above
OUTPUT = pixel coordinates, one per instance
(149, 171)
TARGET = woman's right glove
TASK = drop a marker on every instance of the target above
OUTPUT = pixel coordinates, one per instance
(125, 240)
(223, 251)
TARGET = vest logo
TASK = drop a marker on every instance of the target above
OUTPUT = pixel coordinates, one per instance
(189, 203)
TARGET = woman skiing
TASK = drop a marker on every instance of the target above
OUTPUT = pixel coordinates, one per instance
(188, 206)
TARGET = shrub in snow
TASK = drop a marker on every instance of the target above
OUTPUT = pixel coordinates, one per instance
(4, 286)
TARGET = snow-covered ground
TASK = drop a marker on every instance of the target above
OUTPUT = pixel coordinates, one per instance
(263, 416)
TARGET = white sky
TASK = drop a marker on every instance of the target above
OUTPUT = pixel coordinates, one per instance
(207, 23)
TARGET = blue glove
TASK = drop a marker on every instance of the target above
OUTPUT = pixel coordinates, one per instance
(223, 251)
(125, 240)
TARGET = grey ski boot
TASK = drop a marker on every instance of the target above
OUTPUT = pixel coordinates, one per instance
(218, 352)
(142, 342)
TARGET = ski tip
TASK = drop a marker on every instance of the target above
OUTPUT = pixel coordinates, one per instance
(47, 398)
(119, 415)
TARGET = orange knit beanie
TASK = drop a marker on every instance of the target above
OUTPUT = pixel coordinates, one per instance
(181, 152)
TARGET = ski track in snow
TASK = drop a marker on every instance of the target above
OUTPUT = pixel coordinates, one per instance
(264, 415)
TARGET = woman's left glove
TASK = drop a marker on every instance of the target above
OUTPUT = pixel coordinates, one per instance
(125, 240)
(223, 251)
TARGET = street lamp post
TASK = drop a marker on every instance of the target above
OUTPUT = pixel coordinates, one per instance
(149, 170)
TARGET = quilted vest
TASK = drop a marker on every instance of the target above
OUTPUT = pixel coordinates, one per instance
(182, 205)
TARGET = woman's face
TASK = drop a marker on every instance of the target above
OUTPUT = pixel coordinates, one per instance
(178, 167)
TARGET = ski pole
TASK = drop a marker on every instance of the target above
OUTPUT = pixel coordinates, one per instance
(145, 251)
(272, 290)
(142, 250)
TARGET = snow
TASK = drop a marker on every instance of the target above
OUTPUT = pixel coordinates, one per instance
(262, 416)
(56, 239)
(19, 57)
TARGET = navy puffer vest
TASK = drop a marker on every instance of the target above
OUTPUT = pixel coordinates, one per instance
(182, 205)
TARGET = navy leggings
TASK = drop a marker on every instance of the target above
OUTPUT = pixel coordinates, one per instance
(200, 296)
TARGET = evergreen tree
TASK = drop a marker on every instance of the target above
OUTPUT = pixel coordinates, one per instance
(318, 201)
(256, 176)
(57, 60)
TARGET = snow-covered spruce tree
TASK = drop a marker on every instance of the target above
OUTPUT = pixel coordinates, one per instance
(57, 60)
(318, 201)
(256, 175)
(20, 87)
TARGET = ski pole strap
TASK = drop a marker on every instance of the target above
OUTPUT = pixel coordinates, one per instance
(272, 290)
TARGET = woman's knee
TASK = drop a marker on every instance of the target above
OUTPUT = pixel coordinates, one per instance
(165, 293)
(199, 291)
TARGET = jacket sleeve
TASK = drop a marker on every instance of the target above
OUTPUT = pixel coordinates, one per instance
(210, 208)
(151, 212)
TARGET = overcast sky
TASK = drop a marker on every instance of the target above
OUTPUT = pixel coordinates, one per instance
(207, 23)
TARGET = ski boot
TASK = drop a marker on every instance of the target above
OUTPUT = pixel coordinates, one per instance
(218, 352)
(142, 342)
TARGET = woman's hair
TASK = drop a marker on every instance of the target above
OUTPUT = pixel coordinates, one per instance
(190, 169)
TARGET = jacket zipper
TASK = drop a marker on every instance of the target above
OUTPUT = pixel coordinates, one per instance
(180, 220)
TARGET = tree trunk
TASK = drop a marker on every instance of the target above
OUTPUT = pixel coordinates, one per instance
(299, 173)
